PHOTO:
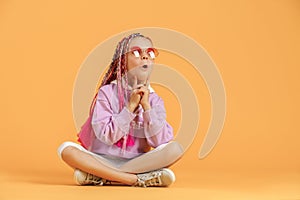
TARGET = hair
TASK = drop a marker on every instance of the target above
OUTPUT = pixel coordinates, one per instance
(118, 67)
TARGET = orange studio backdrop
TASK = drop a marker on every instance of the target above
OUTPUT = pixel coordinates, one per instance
(254, 44)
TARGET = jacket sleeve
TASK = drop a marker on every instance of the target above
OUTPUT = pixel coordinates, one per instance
(108, 126)
(157, 130)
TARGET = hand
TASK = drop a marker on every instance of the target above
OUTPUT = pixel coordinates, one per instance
(135, 97)
(139, 95)
(145, 100)
(144, 92)
(134, 101)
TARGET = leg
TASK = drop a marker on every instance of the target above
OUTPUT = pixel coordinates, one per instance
(84, 161)
(162, 156)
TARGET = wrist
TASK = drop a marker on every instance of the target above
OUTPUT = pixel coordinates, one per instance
(146, 106)
(131, 108)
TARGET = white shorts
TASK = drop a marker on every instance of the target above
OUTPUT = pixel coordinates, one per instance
(106, 159)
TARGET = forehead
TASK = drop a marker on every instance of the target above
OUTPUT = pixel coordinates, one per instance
(140, 42)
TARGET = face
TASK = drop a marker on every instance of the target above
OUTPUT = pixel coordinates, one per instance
(140, 59)
(144, 59)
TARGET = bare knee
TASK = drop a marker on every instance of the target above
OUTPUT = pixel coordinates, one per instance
(174, 150)
(68, 152)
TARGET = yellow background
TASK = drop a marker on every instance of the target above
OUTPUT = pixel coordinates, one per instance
(255, 45)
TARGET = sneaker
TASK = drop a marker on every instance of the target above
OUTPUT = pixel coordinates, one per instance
(163, 178)
(83, 178)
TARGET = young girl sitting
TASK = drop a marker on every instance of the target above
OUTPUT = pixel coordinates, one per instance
(127, 119)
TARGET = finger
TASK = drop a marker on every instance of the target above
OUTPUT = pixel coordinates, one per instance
(147, 83)
(134, 82)
(144, 89)
(140, 93)
(139, 86)
(141, 89)
(143, 92)
(134, 91)
(138, 96)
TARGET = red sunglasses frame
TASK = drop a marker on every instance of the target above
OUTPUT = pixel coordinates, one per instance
(147, 50)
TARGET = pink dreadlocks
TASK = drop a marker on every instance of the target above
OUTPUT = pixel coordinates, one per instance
(117, 70)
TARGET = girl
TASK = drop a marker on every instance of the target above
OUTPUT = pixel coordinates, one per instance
(127, 119)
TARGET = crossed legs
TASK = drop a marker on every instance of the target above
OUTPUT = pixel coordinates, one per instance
(79, 158)
(162, 156)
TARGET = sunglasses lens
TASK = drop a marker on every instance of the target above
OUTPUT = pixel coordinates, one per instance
(152, 52)
(136, 53)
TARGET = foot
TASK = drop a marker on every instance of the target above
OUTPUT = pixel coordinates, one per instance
(163, 178)
(83, 178)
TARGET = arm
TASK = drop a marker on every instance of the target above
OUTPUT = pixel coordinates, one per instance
(156, 128)
(109, 127)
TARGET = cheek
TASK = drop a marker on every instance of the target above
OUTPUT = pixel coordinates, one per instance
(131, 63)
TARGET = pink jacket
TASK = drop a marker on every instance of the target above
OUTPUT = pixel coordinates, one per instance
(140, 130)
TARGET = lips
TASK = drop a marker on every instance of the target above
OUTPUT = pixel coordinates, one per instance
(144, 67)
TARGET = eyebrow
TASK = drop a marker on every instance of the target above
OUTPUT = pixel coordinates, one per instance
(135, 47)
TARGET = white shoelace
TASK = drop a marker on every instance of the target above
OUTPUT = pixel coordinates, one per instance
(94, 179)
(149, 179)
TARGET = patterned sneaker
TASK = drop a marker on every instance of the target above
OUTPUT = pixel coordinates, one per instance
(163, 178)
(83, 178)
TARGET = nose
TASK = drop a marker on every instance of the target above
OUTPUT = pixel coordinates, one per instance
(145, 56)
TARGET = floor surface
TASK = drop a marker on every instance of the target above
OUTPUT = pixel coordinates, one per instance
(189, 185)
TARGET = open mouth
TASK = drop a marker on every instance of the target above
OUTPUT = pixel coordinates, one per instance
(145, 66)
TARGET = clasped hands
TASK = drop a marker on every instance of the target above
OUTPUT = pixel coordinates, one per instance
(139, 95)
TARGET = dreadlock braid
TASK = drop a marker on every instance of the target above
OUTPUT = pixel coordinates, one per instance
(117, 70)
(119, 59)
